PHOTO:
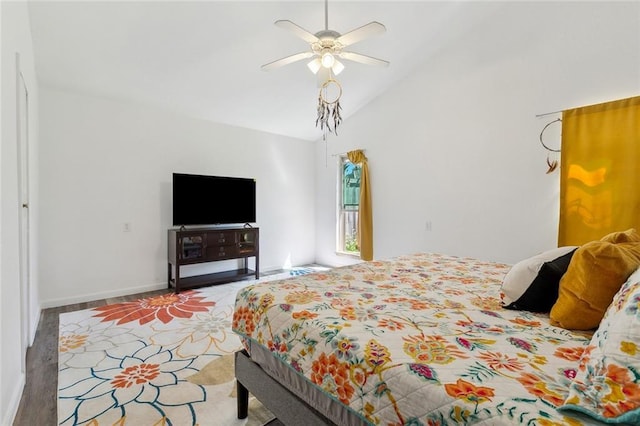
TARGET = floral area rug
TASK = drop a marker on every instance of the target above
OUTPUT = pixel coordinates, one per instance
(163, 360)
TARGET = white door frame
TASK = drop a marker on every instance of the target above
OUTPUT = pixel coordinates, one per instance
(22, 123)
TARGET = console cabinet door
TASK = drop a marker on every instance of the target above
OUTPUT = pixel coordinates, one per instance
(191, 247)
(247, 242)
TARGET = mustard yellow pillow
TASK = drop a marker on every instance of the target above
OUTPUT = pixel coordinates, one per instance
(628, 236)
(596, 272)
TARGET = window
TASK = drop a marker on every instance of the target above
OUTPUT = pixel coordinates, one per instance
(348, 206)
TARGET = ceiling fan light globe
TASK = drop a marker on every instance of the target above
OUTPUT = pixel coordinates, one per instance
(337, 67)
(327, 60)
(314, 65)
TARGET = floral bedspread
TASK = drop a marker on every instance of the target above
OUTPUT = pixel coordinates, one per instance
(417, 340)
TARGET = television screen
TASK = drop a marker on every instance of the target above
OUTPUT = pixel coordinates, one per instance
(213, 200)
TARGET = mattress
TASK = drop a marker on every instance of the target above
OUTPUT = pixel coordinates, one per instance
(419, 339)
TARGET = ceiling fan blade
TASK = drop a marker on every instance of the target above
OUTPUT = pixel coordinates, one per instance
(365, 31)
(363, 59)
(286, 61)
(297, 30)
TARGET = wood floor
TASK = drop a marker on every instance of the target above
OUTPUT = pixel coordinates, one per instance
(38, 405)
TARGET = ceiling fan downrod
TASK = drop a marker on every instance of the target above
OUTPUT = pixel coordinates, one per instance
(326, 15)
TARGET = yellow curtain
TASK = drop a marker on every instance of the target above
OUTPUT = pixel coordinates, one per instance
(600, 171)
(365, 215)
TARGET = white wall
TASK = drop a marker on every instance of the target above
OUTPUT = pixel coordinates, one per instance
(105, 163)
(16, 38)
(456, 143)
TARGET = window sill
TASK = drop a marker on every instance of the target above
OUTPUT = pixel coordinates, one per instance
(355, 255)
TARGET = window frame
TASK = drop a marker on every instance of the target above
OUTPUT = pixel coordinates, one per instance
(340, 211)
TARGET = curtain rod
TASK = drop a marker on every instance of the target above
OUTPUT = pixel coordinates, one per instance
(567, 109)
(548, 113)
(344, 153)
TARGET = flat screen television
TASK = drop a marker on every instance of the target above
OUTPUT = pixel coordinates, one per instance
(213, 200)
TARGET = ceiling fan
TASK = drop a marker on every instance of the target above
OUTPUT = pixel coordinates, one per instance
(328, 45)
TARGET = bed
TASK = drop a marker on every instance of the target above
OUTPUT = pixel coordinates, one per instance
(421, 339)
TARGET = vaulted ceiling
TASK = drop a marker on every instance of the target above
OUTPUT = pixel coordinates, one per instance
(203, 59)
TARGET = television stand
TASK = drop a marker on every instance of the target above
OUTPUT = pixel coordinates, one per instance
(195, 246)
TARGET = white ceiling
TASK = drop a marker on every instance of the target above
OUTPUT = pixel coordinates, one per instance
(203, 59)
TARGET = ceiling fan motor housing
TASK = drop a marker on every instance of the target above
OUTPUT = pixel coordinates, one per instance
(327, 43)
(327, 34)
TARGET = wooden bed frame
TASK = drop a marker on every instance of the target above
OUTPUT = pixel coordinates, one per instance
(284, 404)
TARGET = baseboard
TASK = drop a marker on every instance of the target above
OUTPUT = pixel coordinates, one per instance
(35, 320)
(14, 402)
(54, 303)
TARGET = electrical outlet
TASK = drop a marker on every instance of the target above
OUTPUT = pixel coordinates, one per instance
(427, 225)
(126, 227)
